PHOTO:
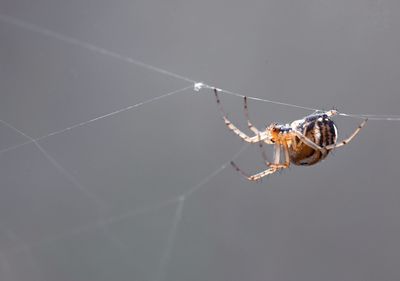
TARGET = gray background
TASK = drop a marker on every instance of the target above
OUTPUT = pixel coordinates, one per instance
(101, 204)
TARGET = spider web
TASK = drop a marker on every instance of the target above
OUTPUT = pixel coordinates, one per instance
(102, 223)
(106, 214)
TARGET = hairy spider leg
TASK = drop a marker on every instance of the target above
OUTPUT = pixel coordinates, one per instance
(256, 131)
(246, 113)
(273, 167)
(233, 128)
(346, 141)
(277, 163)
(315, 146)
(307, 141)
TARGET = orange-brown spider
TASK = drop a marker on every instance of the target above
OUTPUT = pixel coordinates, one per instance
(305, 141)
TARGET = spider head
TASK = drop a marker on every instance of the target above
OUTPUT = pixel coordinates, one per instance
(273, 131)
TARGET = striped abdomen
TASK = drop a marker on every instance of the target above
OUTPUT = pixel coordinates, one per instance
(319, 129)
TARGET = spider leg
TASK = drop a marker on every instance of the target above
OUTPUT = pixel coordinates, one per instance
(286, 150)
(346, 141)
(277, 164)
(263, 154)
(255, 177)
(308, 142)
(277, 157)
(254, 139)
(246, 113)
(315, 146)
(273, 167)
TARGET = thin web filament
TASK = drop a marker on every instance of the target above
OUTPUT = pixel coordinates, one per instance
(179, 201)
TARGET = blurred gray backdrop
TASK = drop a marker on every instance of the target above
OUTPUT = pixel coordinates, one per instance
(99, 201)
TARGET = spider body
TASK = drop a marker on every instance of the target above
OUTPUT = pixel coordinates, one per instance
(303, 142)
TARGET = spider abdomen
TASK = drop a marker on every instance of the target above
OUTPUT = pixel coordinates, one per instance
(321, 130)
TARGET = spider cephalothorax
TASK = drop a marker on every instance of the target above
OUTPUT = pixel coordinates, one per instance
(305, 141)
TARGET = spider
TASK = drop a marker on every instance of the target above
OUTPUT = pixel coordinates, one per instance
(304, 142)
